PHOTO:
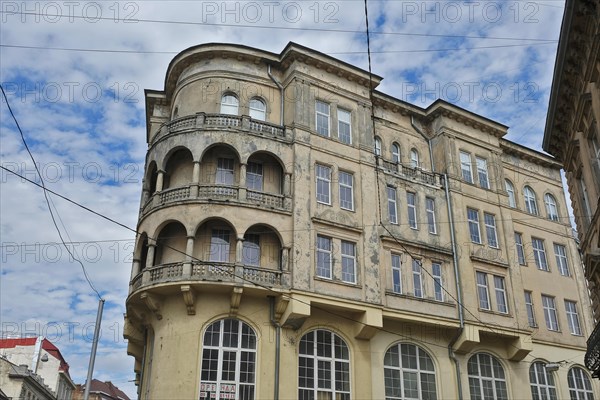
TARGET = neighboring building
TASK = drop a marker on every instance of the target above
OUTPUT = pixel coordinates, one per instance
(100, 391)
(573, 137)
(44, 359)
(18, 382)
(417, 256)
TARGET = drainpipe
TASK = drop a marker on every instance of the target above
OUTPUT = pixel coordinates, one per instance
(280, 90)
(461, 317)
(413, 122)
(277, 326)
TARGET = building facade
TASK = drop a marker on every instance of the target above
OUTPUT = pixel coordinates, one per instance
(573, 136)
(302, 236)
(100, 390)
(19, 382)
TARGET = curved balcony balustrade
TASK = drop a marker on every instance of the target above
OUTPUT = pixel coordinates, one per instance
(201, 121)
(409, 172)
(212, 272)
(201, 192)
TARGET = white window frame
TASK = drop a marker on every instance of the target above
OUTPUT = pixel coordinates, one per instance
(550, 315)
(414, 158)
(257, 109)
(542, 390)
(490, 229)
(392, 204)
(396, 153)
(254, 176)
(510, 189)
(397, 366)
(377, 146)
(573, 317)
(323, 176)
(483, 290)
(539, 254)
(530, 309)
(482, 172)
(580, 385)
(431, 222)
(320, 115)
(474, 222)
(560, 253)
(346, 187)
(500, 289)
(228, 105)
(438, 281)
(324, 260)
(344, 120)
(348, 261)
(417, 278)
(396, 273)
(411, 203)
(520, 249)
(466, 166)
(491, 377)
(551, 207)
(530, 200)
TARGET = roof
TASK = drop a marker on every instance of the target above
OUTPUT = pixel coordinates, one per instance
(46, 345)
(107, 388)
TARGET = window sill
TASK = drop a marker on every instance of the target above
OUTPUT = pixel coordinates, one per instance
(410, 296)
(493, 312)
(337, 282)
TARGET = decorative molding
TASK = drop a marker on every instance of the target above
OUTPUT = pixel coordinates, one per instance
(189, 298)
(153, 303)
(236, 298)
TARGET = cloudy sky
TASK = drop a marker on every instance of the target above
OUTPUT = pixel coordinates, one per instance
(74, 73)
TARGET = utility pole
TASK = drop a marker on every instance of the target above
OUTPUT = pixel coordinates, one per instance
(86, 395)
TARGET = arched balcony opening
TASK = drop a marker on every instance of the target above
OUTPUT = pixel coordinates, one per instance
(265, 180)
(215, 243)
(151, 177)
(262, 248)
(178, 169)
(142, 251)
(171, 244)
(219, 172)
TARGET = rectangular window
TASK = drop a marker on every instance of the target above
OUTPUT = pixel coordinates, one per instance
(322, 118)
(482, 291)
(323, 257)
(396, 274)
(465, 166)
(539, 254)
(254, 176)
(430, 206)
(490, 229)
(417, 281)
(411, 200)
(224, 171)
(346, 181)
(251, 250)
(344, 127)
(501, 303)
(572, 317)
(219, 245)
(473, 218)
(482, 172)
(550, 313)
(348, 262)
(323, 184)
(392, 205)
(438, 283)
(529, 306)
(520, 248)
(560, 252)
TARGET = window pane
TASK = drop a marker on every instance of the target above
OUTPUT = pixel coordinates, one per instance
(348, 262)
(482, 172)
(411, 200)
(465, 165)
(392, 205)
(346, 182)
(323, 183)
(473, 219)
(344, 130)
(323, 257)
(430, 205)
(322, 118)
(396, 274)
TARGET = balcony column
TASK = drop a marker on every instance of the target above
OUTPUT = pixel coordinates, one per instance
(239, 250)
(195, 181)
(242, 191)
(187, 264)
(285, 259)
(159, 180)
(149, 262)
(135, 268)
(287, 184)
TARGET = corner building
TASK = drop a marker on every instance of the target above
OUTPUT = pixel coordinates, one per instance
(292, 248)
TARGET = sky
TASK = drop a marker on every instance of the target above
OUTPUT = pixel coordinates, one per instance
(75, 72)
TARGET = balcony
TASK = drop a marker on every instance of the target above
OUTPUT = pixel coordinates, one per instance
(411, 173)
(592, 356)
(202, 121)
(199, 271)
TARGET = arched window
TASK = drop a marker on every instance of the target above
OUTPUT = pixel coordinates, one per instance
(324, 366)
(409, 373)
(395, 153)
(542, 382)
(229, 104)
(378, 147)
(414, 158)
(580, 386)
(510, 189)
(228, 361)
(486, 378)
(258, 109)
(551, 209)
(530, 200)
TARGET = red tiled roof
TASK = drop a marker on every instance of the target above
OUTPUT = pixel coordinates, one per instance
(30, 341)
(12, 343)
(107, 388)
